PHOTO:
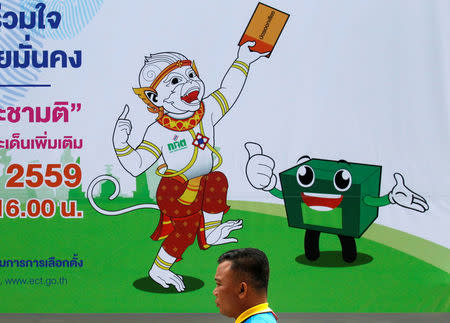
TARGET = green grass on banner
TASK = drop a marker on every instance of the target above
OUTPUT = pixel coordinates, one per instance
(117, 254)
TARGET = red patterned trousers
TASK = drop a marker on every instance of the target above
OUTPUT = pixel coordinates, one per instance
(179, 224)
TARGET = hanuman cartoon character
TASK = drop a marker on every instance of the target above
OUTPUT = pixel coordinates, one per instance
(192, 194)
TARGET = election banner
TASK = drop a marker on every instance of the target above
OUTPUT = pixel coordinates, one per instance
(140, 141)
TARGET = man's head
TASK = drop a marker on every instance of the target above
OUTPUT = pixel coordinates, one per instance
(170, 81)
(242, 278)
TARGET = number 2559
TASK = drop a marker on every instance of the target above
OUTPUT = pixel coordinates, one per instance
(54, 175)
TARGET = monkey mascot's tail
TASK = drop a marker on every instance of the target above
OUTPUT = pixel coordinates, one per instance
(101, 178)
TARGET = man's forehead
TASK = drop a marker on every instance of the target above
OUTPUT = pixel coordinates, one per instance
(224, 269)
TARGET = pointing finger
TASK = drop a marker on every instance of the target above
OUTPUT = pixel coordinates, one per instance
(125, 111)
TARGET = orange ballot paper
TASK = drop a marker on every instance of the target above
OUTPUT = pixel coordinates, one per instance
(264, 28)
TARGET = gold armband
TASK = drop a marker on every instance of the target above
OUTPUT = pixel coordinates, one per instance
(123, 151)
(243, 67)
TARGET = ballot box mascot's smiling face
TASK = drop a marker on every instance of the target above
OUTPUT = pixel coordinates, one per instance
(173, 83)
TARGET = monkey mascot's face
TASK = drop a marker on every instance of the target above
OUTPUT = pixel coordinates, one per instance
(181, 92)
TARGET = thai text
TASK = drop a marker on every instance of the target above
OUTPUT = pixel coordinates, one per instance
(177, 145)
(40, 142)
(30, 20)
(266, 26)
(51, 262)
(58, 113)
(24, 56)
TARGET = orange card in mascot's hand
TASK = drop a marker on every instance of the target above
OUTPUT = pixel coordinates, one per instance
(264, 28)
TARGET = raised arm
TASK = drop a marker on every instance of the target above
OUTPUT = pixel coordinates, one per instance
(135, 161)
(234, 79)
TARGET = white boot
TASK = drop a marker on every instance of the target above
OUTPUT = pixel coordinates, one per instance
(160, 271)
(212, 221)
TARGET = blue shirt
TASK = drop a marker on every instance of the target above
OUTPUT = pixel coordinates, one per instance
(261, 318)
(260, 313)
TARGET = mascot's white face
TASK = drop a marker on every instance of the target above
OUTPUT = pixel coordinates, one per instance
(181, 92)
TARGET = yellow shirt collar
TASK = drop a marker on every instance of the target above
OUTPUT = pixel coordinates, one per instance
(261, 308)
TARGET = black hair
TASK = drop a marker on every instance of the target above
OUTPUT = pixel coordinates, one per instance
(251, 263)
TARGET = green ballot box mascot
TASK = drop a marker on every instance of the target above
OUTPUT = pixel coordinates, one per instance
(329, 196)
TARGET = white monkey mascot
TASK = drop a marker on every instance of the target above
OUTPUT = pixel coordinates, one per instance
(192, 194)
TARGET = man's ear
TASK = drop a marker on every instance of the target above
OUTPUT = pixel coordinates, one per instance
(243, 290)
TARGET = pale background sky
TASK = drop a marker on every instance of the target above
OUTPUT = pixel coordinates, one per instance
(364, 81)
